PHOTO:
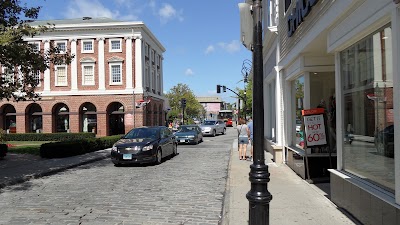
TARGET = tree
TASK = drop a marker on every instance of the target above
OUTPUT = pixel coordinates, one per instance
(193, 107)
(248, 96)
(20, 59)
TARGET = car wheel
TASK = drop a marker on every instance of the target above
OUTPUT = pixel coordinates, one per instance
(224, 131)
(117, 164)
(175, 150)
(158, 156)
(214, 133)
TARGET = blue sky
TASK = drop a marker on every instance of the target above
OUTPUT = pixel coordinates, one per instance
(202, 38)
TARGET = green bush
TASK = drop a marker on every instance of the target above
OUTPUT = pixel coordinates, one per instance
(76, 147)
(49, 136)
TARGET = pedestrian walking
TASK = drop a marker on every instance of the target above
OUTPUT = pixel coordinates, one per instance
(243, 138)
(250, 126)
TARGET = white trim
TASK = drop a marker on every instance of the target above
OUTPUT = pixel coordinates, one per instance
(88, 64)
(56, 84)
(396, 95)
(110, 44)
(46, 75)
(101, 65)
(110, 65)
(74, 66)
(65, 43)
(83, 46)
(37, 43)
(128, 57)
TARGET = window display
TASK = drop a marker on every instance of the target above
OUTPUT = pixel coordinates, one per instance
(367, 82)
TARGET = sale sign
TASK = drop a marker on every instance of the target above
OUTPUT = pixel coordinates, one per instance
(315, 130)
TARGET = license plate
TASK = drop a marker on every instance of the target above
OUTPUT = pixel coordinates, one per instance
(181, 140)
(127, 156)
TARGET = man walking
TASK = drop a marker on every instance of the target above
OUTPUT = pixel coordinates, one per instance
(250, 127)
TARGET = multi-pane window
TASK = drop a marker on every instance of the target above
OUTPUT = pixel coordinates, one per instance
(146, 50)
(88, 75)
(7, 77)
(35, 46)
(36, 77)
(87, 46)
(115, 45)
(61, 76)
(61, 46)
(116, 73)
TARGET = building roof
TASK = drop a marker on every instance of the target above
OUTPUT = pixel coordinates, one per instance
(83, 20)
(209, 99)
(85, 26)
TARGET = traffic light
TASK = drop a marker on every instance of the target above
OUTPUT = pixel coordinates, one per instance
(218, 88)
(224, 88)
(183, 102)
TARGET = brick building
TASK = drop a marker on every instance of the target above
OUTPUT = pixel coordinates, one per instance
(117, 65)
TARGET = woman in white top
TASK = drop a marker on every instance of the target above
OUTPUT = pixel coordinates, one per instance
(243, 138)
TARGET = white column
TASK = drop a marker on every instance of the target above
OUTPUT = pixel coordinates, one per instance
(101, 71)
(138, 64)
(161, 75)
(74, 67)
(46, 78)
(128, 59)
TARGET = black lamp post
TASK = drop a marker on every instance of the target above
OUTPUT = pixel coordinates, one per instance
(258, 196)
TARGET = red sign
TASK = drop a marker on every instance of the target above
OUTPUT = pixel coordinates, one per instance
(306, 112)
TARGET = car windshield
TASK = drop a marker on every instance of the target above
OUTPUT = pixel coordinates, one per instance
(152, 133)
(186, 129)
(209, 122)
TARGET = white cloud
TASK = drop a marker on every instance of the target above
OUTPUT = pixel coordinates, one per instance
(189, 72)
(94, 8)
(209, 49)
(168, 12)
(231, 47)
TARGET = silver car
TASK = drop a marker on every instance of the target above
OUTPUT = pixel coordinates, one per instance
(213, 127)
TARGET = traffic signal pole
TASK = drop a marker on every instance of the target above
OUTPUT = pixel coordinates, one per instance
(240, 97)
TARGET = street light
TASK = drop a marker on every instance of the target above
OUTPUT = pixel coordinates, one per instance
(258, 196)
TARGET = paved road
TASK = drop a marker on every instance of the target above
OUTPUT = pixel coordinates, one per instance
(187, 189)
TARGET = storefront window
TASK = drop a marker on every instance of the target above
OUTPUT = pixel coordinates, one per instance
(367, 82)
(298, 104)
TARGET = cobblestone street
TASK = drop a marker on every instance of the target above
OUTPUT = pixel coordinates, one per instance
(186, 189)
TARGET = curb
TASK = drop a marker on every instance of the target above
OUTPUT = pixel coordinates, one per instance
(226, 203)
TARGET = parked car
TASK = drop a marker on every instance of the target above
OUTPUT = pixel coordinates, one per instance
(213, 127)
(190, 134)
(144, 145)
(384, 141)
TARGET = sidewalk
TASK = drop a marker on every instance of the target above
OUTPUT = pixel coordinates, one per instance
(294, 201)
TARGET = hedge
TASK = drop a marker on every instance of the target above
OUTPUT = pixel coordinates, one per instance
(48, 136)
(76, 147)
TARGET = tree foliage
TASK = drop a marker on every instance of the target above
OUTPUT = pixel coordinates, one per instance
(193, 107)
(248, 104)
(20, 59)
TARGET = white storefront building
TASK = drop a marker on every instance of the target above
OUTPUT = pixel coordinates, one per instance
(341, 56)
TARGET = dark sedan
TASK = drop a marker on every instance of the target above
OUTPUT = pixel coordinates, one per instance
(190, 134)
(144, 145)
